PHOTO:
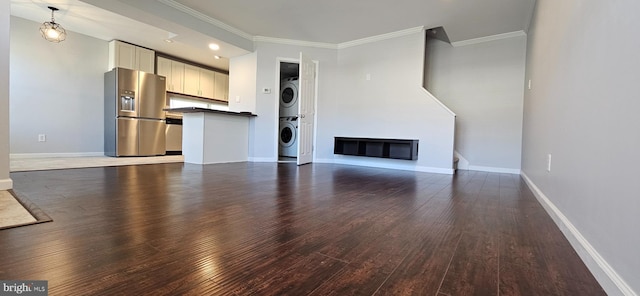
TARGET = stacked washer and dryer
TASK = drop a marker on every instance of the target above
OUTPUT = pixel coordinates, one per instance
(288, 131)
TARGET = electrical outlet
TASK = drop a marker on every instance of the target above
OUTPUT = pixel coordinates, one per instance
(549, 162)
(266, 90)
(42, 138)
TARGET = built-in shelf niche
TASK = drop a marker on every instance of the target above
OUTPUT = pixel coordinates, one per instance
(382, 148)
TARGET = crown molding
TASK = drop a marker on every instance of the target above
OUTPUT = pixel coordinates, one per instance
(380, 37)
(295, 42)
(206, 18)
(343, 44)
(488, 38)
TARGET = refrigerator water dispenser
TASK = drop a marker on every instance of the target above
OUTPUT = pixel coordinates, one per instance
(127, 101)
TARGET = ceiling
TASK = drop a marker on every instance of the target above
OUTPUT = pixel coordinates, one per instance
(193, 24)
(87, 19)
(337, 21)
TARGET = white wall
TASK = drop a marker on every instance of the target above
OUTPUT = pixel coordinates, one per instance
(242, 91)
(583, 109)
(57, 90)
(483, 84)
(264, 128)
(392, 104)
(5, 180)
(242, 83)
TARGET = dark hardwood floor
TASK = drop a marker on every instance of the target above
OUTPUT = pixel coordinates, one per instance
(279, 229)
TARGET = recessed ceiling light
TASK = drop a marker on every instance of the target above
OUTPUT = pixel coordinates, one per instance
(217, 57)
(214, 46)
(168, 41)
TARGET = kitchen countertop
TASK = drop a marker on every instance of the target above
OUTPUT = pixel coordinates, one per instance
(197, 110)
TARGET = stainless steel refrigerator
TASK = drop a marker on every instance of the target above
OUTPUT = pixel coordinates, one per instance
(134, 123)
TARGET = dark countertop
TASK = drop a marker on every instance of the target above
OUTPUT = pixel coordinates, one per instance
(197, 110)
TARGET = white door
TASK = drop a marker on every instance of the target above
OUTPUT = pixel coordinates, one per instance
(306, 109)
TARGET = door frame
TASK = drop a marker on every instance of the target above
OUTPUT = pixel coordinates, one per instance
(276, 96)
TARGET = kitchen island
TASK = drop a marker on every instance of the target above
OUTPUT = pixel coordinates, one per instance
(214, 136)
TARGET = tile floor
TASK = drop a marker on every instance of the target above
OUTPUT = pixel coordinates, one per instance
(53, 163)
(12, 212)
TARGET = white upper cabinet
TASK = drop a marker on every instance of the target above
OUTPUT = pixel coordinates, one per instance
(193, 80)
(199, 82)
(125, 55)
(222, 87)
(173, 71)
(121, 55)
(145, 59)
(164, 69)
(177, 76)
(207, 83)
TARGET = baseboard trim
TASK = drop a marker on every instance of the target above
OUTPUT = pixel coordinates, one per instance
(608, 278)
(6, 184)
(493, 169)
(51, 155)
(424, 169)
(368, 164)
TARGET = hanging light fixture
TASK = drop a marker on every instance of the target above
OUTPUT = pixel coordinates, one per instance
(53, 31)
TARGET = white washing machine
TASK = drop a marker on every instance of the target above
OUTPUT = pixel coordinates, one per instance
(289, 97)
(288, 137)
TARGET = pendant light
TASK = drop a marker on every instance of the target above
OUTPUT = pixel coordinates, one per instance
(53, 31)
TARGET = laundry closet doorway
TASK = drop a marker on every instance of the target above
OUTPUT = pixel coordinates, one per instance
(296, 92)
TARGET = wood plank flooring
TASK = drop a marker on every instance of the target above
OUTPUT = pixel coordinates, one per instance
(279, 229)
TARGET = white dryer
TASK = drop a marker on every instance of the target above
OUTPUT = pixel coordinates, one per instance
(288, 137)
(289, 97)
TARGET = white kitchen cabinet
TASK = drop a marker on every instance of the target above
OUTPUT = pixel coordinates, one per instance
(199, 82)
(145, 59)
(173, 71)
(191, 80)
(222, 87)
(121, 55)
(207, 83)
(177, 77)
(164, 69)
(129, 56)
